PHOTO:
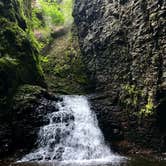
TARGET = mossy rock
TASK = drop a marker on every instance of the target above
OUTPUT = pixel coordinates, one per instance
(13, 10)
(16, 42)
(13, 73)
(19, 62)
(8, 75)
(26, 95)
(18, 45)
(64, 70)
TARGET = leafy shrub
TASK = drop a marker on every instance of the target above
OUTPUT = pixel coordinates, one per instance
(67, 8)
(47, 13)
(37, 18)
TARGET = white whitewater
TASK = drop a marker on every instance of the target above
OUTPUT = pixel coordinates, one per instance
(72, 135)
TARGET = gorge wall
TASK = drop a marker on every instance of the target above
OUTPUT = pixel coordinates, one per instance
(19, 64)
(123, 45)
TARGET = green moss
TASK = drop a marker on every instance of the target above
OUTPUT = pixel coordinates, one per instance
(64, 70)
(27, 92)
(13, 73)
(26, 95)
(19, 50)
(13, 11)
(148, 109)
(19, 45)
(8, 79)
(131, 98)
(131, 95)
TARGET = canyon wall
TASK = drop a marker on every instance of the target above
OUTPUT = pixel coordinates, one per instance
(123, 44)
(19, 64)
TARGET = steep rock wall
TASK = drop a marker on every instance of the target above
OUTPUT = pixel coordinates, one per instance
(19, 64)
(123, 45)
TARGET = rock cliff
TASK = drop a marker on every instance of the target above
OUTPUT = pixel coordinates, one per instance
(123, 46)
(19, 64)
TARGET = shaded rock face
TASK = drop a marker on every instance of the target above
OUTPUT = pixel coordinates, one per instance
(13, 11)
(19, 127)
(123, 45)
(19, 62)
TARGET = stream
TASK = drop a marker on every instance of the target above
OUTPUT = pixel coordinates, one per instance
(72, 138)
(72, 134)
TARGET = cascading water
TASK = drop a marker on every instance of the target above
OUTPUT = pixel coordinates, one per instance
(72, 134)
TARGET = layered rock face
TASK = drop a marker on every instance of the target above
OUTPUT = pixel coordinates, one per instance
(123, 45)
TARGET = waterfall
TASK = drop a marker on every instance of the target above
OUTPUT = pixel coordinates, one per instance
(71, 134)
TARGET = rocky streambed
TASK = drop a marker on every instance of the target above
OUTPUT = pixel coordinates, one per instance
(31, 113)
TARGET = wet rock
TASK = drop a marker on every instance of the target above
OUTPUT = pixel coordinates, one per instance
(123, 49)
(62, 117)
(58, 154)
(47, 157)
(37, 157)
(19, 128)
(51, 145)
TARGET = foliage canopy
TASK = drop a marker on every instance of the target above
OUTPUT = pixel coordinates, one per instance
(51, 13)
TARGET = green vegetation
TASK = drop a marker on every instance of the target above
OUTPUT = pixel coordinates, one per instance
(25, 95)
(19, 61)
(131, 101)
(67, 8)
(132, 94)
(63, 68)
(51, 13)
(47, 16)
(148, 109)
(47, 13)
(52, 22)
(20, 57)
